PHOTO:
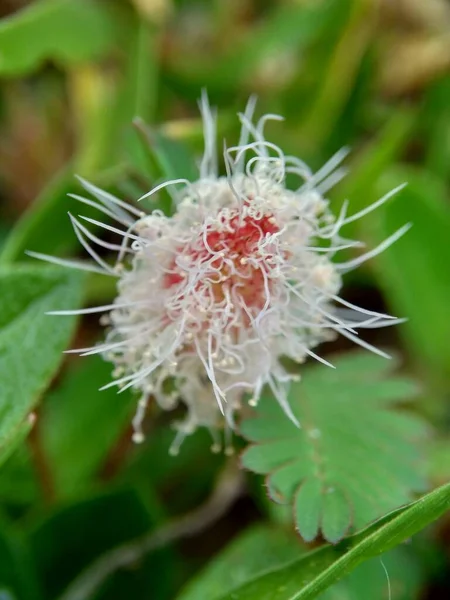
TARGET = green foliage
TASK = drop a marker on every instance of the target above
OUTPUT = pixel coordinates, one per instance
(42, 227)
(353, 458)
(60, 30)
(249, 555)
(108, 89)
(415, 278)
(313, 573)
(65, 542)
(77, 411)
(31, 343)
(262, 548)
(17, 577)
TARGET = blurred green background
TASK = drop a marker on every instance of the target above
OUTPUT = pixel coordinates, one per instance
(373, 75)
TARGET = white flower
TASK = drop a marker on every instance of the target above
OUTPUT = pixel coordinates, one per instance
(211, 298)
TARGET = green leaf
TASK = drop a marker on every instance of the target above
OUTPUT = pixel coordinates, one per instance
(72, 537)
(153, 467)
(381, 577)
(80, 424)
(337, 82)
(286, 31)
(262, 548)
(42, 227)
(313, 573)
(17, 578)
(31, 342)
(250, 554)
(19, 485)
(352, 460)
(414, 273)
(163, 159)
(105, 106)
(283, 34)
(166, 157)
(370, 163)
(436, 127)
(63, 31)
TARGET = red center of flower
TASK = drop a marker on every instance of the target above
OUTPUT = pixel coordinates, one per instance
(228, 248)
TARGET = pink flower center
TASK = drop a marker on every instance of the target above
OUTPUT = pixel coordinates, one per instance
(234, 266)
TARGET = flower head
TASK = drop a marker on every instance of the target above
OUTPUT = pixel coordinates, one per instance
(240, 275)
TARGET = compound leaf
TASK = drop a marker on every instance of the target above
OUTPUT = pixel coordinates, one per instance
(353, 459)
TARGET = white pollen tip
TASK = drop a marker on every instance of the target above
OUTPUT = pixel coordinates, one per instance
(138, 437)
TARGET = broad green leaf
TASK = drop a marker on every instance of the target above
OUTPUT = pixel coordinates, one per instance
(75, 535)
(313, 573)
(414, 274)
(63, 31)
(31, 342)
(352, 460)
(262, 548)
(80, 425)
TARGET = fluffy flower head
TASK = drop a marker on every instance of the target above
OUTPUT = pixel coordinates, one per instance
(212, 297)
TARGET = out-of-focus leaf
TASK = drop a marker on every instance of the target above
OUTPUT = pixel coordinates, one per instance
(42, 227)
(338, 82)
(371, 162)
(93, 93)
(63, 31)
(106, 104)
(261, 549)
(45, 226)
(265, 52)
(17, 579)
(439, 460)
(139, 92)
(19, 485)
(153, 467)
(359, 186)
(352, 460)
(316, 571)
(288, 29)
(80, 424)
(414, 274)
(69, 540)
(436, 121)
(164, 159)
(31, 344)
(253, 552)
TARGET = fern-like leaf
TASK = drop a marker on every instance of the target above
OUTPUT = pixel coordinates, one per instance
(355, 456)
